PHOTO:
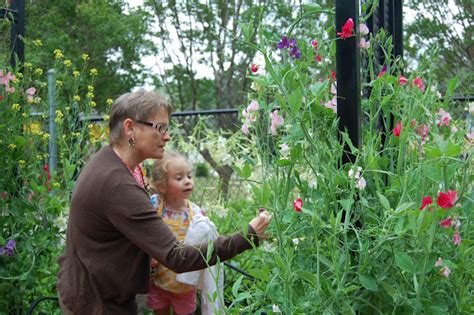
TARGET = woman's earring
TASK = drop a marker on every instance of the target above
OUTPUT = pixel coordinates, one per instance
(131, 141)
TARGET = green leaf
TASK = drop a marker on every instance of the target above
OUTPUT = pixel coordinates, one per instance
(246, 171)
(295, 100)
(452, 149)
(384, 201)
(283, 162)
(261, 274)
(308, 276)
(368, 282)
(404, 206)
(236, 286)
(346, 203)
(404, 261)
(296, 152)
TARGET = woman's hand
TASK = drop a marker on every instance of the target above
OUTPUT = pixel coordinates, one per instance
(260, 223)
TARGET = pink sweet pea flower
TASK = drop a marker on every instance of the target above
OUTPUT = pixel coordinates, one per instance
(347, 29)
(402, 80)
(456, 238)
(446, 199)
(361, 183)
(284, 149)
(382, 72)
(425, 202)
(443, 118)
(438, 262)
(332, 104)
(397, 130)
(31, 91)
(418, 82)
(298, 205)
(314, 43)
(245, 129)
(364, 44)
(446, 223)
(363, 29)
(444, 272)
(277, 121)
(253, 106)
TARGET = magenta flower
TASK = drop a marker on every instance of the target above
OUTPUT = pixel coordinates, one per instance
(425, 202)
(397, 130)
(446, 223)
(446, 199)
(314, 43)
(317, 58)
(347, 29)
(298, 205)
(402, 80)
(384, 70)
(418, 82)
(456, 238)
(254, 68)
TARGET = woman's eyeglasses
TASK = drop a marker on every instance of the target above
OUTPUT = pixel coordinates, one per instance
(162, 128)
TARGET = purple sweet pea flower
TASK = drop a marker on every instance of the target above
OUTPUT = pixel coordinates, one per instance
(8, 248)
(295, 52)
(284, 43)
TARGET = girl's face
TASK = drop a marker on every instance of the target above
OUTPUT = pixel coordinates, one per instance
(179, 182)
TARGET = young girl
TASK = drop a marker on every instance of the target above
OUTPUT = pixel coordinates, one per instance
(172, 179)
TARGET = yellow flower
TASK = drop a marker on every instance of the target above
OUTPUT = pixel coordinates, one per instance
(39, 157)
(28, 65)
(58, 54)
(59, 83)
(56, 185)
(77, 98)
(59, 114)
(37, 100)
(110, 101)
(46, 136)
(19, 75)
(34, 128)
(67, 63)
(16, 107)
(67, 108)
(106, 117)
(90, 88)
(12, 146)
(90, 126)
(90, 95)
(85, 57)
(21, 163)
(16, 80)
(76, 74)
(94, 72)
(38, 42)
(24, 114)
(39, 71)
(93, 104)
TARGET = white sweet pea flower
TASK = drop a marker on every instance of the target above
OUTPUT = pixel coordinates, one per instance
(276, 309)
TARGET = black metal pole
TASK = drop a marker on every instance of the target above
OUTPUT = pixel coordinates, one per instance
(17, 33)
(398, 28)
(348, 76)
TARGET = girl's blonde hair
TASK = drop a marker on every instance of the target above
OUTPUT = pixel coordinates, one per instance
(159, 173)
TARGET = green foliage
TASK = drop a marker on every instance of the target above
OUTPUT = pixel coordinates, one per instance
(35, 197)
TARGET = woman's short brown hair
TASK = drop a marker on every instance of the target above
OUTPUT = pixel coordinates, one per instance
(138, 105)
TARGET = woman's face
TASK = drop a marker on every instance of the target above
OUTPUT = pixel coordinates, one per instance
(150, 142)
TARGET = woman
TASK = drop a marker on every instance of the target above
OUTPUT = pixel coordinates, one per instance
(113, 228)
